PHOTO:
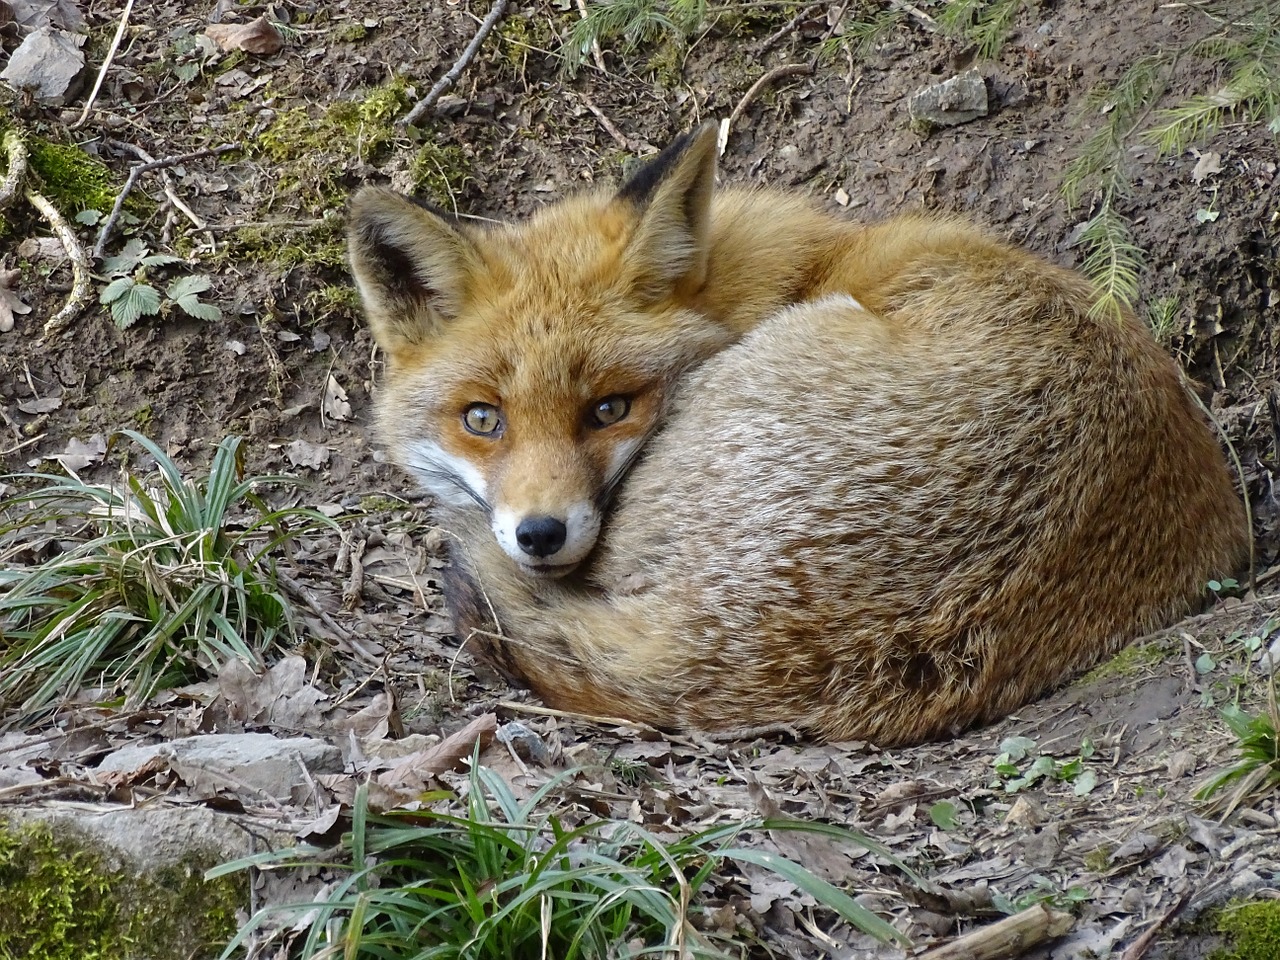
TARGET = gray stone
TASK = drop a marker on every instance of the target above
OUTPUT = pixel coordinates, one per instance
(48, 64)
(156, 835)
(948, 104)
(244, 763)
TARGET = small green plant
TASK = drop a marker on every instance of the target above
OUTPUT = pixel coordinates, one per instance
(147, 586)
(1044, 891)
(1245, 44)
(983, 22)
(1256, 769)
(507, 880)
(1014, 776)
(130, 296)
(633, 23)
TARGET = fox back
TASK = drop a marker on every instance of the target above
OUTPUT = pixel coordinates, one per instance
(870, 482)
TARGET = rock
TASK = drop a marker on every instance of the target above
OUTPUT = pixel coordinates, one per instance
(248, 763)
(49, 64)
(953, 102)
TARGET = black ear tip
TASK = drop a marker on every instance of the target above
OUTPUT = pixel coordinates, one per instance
(639, 187)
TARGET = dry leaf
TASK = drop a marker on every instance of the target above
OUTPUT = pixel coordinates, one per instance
(301, 453)
(449, 754)
(10, 302)
(335, 400)
(42, 405)
(1208, 164)
(79, 455)
(258, 37)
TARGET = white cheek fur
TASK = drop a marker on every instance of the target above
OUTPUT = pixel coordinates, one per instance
(448, 478)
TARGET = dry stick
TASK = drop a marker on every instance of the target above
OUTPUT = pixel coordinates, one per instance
(777, 73)
(496, 13)
(790, 25)
(596, 53)
(106, 65)
(79, 266)
(17, 152)
(1011, 937)
(134, 174)
(926, 21)
(1138, 949)
(609, 126)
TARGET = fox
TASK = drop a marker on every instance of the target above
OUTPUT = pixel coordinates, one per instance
(712, 459)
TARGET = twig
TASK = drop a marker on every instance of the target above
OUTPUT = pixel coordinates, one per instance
(264, 225)
(106, 65)
(135, 173)
(596, 53)
(926, 21)
(777, 73)
(79, 266)
(790, 25)
(23, 445)
(1011, 937)
(16, 150)
(609, 126)
(496, 13)
(344, 636)
(1138, 949)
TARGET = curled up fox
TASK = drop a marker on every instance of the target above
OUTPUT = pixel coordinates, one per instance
(713, 459)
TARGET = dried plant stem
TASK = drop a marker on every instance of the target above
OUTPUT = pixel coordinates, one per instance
(106, 65)
(496, 13)
(17, 153)
(80, 285)
(136, 172)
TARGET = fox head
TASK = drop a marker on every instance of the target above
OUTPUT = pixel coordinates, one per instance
(527, 363)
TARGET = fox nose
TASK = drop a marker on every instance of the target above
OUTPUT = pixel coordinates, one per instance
(541, 536)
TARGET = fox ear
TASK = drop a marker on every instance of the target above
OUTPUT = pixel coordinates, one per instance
(412, 268)
(668, 251)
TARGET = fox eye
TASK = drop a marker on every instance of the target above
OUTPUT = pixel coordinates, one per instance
(482, 419)
(609, 411)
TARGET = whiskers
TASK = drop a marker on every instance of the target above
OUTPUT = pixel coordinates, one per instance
(439, 479)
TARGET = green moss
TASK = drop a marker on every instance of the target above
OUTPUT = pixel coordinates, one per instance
(438, 172)
(1127, 662)
(332, 298)
(1251, 930)
(350, 32)
(318, 246)
(1098, 860)
(72, 179)
(64, 902)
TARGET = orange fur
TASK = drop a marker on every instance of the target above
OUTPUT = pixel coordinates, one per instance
(891, 480)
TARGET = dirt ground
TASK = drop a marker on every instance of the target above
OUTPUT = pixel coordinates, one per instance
(518, 132)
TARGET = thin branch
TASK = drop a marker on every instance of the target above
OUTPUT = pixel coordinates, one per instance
(777, 73)
(496, 13)
(134, 174)
(106, 65)
(80, 286)
(1011, 937)
(17, 152)
(788, 27)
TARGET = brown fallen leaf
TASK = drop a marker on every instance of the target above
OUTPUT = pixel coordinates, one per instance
(449, 754)
(335, 403)
(259, 36)
(10, 302)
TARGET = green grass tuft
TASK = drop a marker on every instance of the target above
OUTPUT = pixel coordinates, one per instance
(140, 586)
(497, 879)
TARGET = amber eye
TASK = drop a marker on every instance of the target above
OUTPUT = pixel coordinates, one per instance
(609, 411)
(482, 419)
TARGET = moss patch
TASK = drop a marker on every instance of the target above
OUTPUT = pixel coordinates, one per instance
(63, 901)
(1252, 931)
(1126, 663)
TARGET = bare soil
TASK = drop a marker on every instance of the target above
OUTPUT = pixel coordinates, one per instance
(518, 132)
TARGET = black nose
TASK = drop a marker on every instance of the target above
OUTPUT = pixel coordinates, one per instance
(541, 536)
